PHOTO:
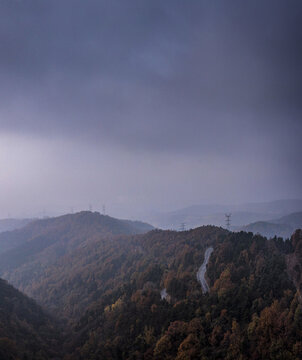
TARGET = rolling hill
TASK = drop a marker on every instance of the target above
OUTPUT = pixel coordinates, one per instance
(252, 311)
(28, 255)
(13, 224)
(294, 220)
(108, 288)
(64, 233)
(214, 214)
(69, 283)
(283, 226)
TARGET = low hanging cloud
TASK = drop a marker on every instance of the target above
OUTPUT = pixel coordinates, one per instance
(201, 79)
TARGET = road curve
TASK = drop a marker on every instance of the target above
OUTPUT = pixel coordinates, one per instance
(163, 294)
(202, 270)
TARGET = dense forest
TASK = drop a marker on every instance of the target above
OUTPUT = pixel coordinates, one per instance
(105, 291)
(26, 331)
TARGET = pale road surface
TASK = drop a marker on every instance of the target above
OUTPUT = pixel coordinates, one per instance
(163, 294)
(202, 270)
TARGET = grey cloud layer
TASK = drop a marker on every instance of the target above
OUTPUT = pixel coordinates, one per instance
(148, 104)
(198, 76)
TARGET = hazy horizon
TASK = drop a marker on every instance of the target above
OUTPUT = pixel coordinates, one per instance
(146, 106)
(152, 215)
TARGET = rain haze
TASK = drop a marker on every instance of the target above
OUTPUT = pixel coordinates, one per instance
(148, 105)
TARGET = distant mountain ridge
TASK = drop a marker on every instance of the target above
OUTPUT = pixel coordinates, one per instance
(294, 220)
(29, 251)
(214, 214)
(69, 283)
(84, 220)
(108, 289)
(283, 226)
(13, 224)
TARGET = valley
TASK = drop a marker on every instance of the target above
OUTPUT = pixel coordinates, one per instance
(130, 295)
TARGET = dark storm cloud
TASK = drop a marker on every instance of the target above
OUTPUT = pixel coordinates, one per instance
(194, 76)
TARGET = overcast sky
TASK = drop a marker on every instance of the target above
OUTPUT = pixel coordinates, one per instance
(148, 105)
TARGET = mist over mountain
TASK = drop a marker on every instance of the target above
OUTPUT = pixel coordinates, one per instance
(283, 227)
(12, 224)
(183, 117)
(43, 242)
(242, 214)
(76, 223)
(294, 220)
(107, 290)
(151, 106)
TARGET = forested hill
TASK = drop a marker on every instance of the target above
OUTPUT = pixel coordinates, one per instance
(72, 227)
(26, 332)
(251, 312)
(110, 290)
(43, 242)
(269, 229)
(12, 224)
(281, 227)
(72, 282)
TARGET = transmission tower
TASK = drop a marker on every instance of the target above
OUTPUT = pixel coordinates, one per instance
(228, 220)
(104, 210)
(182, 226)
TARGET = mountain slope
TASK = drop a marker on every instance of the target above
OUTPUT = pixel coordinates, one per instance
(283, 227)
(294, 220)
(13, 224)
(252, 310)
(55, 229)
(73, 282)
(25, 330)
(294, 262)
(110, 289)
(269, 229)
(35, 249)
(213, 214)
(44, 241)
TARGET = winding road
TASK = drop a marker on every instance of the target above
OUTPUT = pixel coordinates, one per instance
(202, 270)
(163, 294)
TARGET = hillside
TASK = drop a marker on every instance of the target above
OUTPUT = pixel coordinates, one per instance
(32, 252)
(269, 229)
(110, 289)
(294, 262)
(97, 266)
(44, 241)
(283, 226)
(214, 214)
(69, 226)
(251, 312)
(294, 220)
(26, 332)
(13, 224)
